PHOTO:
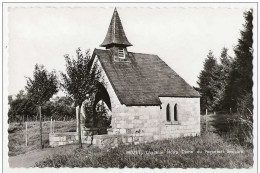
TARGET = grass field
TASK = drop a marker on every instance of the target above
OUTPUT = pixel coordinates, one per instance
(159, 154)
(16, 135)
(210, 150)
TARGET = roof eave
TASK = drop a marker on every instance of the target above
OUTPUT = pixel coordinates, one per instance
(118, 44)
(142, 104)
(191, 96)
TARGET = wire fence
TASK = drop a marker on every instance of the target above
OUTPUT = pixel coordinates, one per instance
(35, 118)
(28, 133)
(206, 112)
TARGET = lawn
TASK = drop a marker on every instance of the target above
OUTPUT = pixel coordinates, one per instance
(209, 150)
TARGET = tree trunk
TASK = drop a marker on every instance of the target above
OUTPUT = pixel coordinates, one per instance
(40, 112)
(79, 127)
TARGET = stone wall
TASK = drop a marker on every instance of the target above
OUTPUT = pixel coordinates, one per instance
(57, 139)
(65, 138)
(188, 116)
(151, 120)
(139, 124)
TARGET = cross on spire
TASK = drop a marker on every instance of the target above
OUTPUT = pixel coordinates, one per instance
(115, 34)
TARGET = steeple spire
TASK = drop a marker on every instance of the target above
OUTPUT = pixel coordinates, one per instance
(115, 34)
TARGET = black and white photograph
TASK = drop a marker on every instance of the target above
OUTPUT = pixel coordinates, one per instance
(130, 85)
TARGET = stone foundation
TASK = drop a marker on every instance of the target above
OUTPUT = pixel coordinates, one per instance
(57, 139)
(109, 140)
(139, 124)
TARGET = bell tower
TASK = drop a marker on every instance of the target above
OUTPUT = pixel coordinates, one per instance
(116, 40)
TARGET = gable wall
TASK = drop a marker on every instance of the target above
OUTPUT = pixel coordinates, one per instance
(188, 116)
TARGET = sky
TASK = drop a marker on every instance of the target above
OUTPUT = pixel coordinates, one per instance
(182, 37)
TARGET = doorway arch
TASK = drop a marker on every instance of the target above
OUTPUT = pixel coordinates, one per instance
(102, 94)
(102, 118)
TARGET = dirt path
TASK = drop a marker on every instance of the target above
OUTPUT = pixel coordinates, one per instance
(29, 159)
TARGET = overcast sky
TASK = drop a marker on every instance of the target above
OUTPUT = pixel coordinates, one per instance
(182, 37)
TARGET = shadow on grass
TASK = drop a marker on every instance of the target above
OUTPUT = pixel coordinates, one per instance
(220, 123)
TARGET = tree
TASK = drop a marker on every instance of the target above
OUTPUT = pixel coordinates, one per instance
(59, 108)
(41, 88)
(80, 81)
(206, 82)
(10, 99)
(21, 94)
(223, 75)
(241, 83)
(22, 106)
(19, 107)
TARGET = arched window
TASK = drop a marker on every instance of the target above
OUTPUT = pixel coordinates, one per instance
(168, 113)
(175, 113)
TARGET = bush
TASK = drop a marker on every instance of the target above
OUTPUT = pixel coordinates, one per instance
(241, 129)
(241, 123)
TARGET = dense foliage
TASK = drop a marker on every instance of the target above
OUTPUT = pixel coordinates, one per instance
(82, 73)
(21, 108)
(240, 81)
(224, 85)
(42, 86)
(227, 86)
(206, 82)
(80, 80)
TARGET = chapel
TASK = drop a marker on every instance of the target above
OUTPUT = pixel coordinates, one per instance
(144, 94)
(145, 98)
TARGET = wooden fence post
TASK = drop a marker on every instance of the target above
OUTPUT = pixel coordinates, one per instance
(51, 126)
(206, 120)
(53, 130)
(26, 134)
(40, 125)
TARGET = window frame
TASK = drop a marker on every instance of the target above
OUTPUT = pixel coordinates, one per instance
(168, 113)
(175, 114)
(169, 117)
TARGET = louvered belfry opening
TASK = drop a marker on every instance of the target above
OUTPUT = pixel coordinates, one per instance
(121, 53)
(116, 39)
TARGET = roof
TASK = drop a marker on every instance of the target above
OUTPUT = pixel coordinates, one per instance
(115, 33)
(143, 79)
